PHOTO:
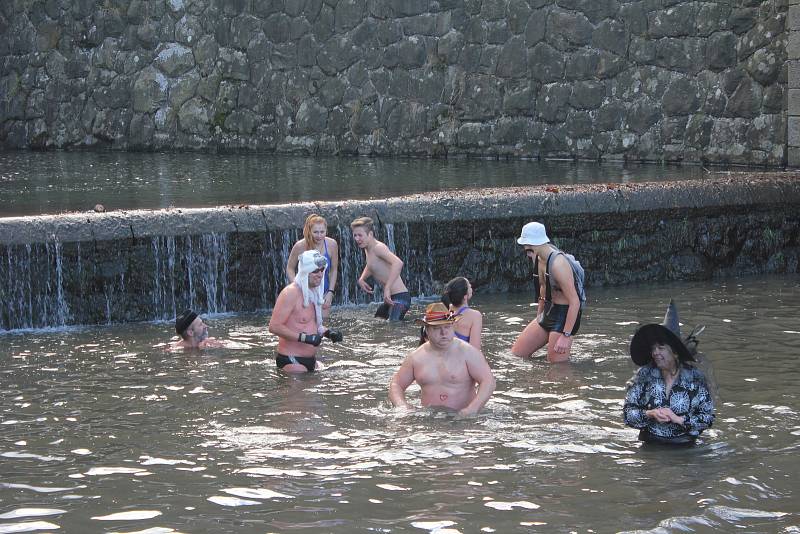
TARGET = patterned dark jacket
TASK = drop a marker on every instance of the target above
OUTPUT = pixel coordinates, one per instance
(688, 398)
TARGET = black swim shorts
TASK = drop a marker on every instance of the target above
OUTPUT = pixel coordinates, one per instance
(309, 362)
(554, 317)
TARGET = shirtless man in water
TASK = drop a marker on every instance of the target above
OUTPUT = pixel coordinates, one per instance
(447, 369)
(297, 317)
(193, 332)
(385, 267)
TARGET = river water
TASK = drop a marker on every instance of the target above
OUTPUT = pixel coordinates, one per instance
(104, 431)
(33, 183)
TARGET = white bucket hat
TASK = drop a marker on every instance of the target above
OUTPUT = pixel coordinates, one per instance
(533, 234)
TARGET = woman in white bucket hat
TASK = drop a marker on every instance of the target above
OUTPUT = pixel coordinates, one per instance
(558, 312)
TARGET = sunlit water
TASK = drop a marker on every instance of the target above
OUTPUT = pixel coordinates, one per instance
(54, 182)
(103, 431)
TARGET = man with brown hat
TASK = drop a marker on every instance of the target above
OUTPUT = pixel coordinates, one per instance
(450, 372)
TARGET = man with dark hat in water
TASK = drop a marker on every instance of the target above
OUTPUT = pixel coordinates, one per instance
(193, 332)
(297, 317)
(668, 399)
(450, 372)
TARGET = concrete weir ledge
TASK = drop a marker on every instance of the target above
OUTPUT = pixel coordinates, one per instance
(85, 268)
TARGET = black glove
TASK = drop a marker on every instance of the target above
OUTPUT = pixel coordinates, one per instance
(311, 339)
(333, 335)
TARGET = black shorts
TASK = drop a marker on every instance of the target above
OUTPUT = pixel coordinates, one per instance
(554, 317)
(309, 362)
(396, 312)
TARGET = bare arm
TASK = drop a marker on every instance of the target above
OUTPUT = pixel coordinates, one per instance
(481, 373)
(403, 378)
(294, 258)
(281, 313)
(333, 270)
(475, 330)
(395, 267)
(562, 272)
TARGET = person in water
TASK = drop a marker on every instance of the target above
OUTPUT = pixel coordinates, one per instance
(558, 312)
(455, 296)
(193, 332)
(297, 317)
(315, 237)
(451, 373)
(385, 267)
(667, 399)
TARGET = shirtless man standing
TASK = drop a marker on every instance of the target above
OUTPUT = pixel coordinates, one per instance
(447, 369)
(297, 317)
(193, 332)
(385, 267)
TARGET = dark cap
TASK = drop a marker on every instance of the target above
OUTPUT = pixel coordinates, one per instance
(184, 321)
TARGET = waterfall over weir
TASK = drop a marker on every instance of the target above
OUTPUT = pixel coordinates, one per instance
(101, 268)
(154, 278)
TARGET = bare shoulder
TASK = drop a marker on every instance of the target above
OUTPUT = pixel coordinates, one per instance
(291, 291)
(472, 313)
(380, 247)
(469, 350)
(299, 246)
(331, 242)
(417, 353)
(561, 265)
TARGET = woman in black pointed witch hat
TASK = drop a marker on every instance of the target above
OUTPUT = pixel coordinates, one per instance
(667, 399)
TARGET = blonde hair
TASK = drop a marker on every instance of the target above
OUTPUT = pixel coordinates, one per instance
(311, 220)
(364, 222)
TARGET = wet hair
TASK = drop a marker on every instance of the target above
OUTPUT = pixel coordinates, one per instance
(311, 220)
(423, 335)
(364, 222)
(183, 322)
(454, 292)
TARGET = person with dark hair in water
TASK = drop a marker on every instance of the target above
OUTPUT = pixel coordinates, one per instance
(668, 399)
(456, 295)
(193, 332)
(297, 317)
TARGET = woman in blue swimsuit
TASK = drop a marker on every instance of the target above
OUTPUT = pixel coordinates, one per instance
(456, 295)
(315, 237)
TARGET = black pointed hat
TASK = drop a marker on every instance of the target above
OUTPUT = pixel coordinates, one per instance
(668, 332)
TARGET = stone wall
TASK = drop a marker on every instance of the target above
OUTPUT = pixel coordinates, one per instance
(661, 80)
(144, 265)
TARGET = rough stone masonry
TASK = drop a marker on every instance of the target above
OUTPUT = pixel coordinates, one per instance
(656, 80)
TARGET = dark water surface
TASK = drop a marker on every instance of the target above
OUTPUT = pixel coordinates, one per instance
(54, 182)
(101, 430)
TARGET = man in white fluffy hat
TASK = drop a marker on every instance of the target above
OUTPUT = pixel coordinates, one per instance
(297, 317)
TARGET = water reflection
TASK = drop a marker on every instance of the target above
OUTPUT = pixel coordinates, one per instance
(103, 428)
(54, 182)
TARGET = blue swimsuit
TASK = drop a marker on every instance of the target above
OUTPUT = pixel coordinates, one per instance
(325, 281)
(459, 312)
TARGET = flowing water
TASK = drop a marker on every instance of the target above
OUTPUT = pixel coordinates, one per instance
(33, 183)
(105, 431)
